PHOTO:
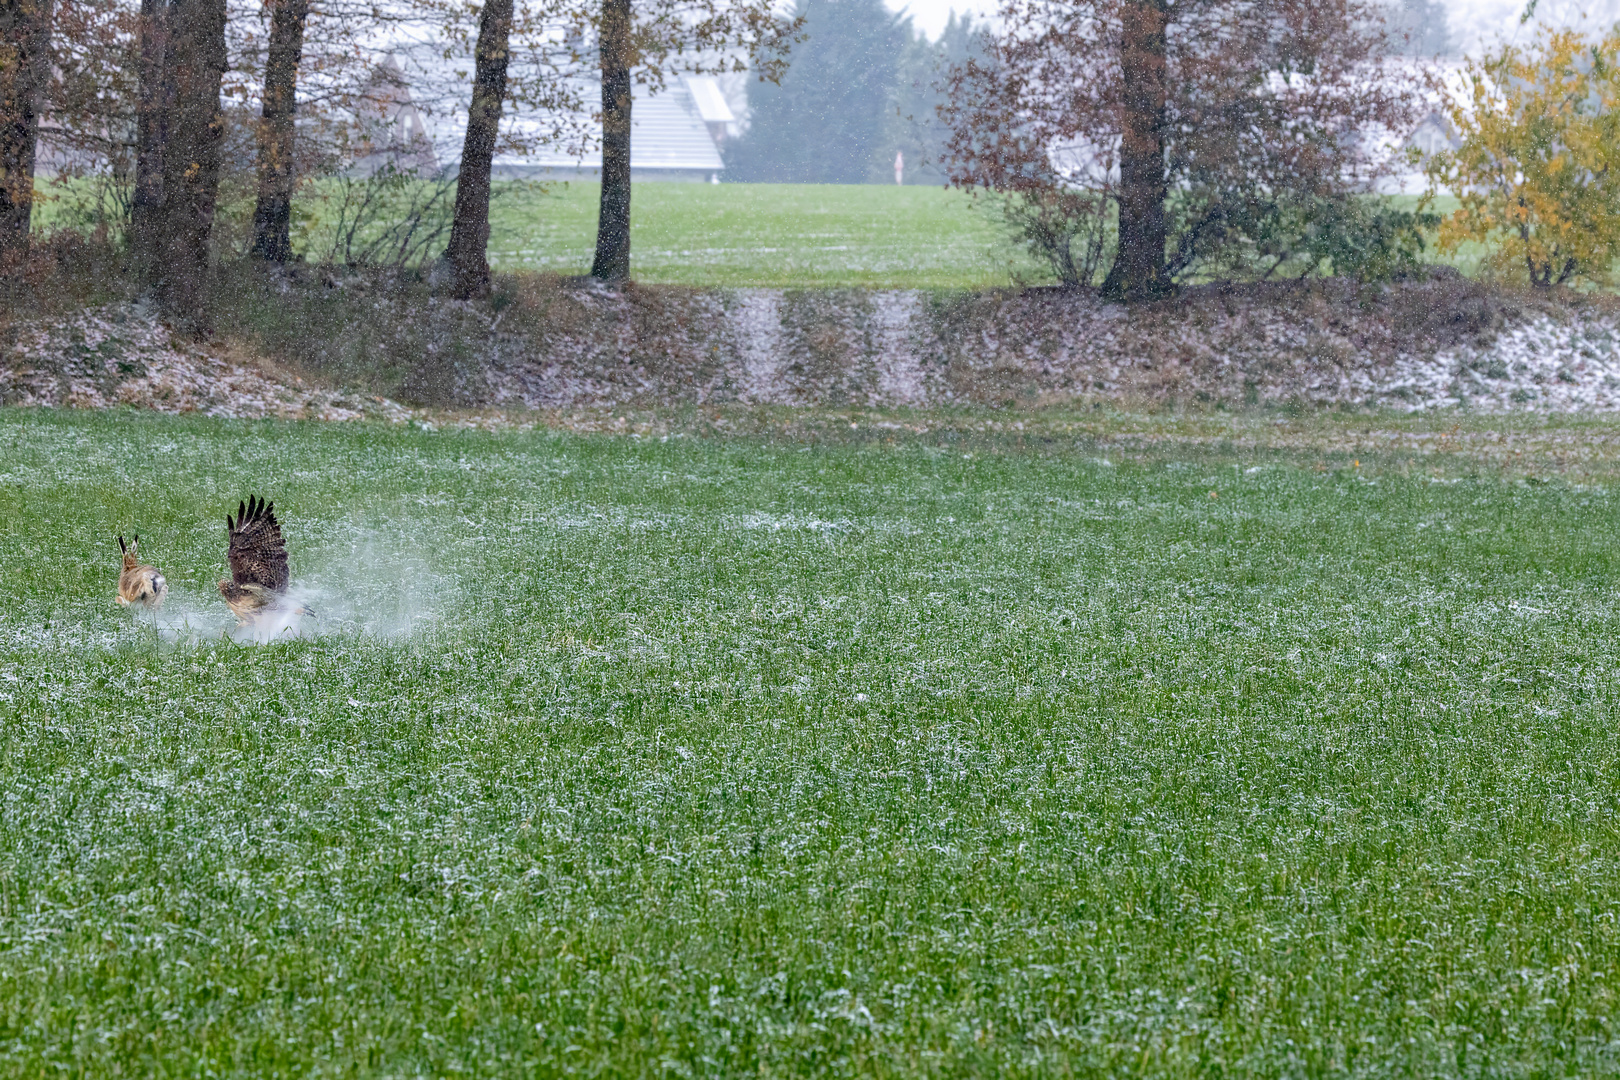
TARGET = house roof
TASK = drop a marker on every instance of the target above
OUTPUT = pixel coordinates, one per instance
(709, 99)
(667, 131)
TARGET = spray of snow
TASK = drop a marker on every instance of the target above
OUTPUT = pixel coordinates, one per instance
(373, 586)
(186, 615)
(379, 586)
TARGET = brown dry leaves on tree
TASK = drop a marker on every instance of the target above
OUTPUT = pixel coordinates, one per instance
(1178, 130)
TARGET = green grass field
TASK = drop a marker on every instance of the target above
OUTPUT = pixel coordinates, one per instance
(782, 235)
(720, 235)
(762, 235)
(792, 236)
(869, 754)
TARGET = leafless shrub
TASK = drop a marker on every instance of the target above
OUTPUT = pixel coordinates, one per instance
(394, 218)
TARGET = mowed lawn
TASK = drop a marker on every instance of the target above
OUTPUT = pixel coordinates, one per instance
(767, 235)
(709, 235)
(887, 756)
(720, 235)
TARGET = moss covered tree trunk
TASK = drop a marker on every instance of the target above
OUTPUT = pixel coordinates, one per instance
(154, 96)
(1139, 271)
(195, 64)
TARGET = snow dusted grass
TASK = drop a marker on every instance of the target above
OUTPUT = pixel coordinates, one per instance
(903, 752)
(120, 354)
(767, 235)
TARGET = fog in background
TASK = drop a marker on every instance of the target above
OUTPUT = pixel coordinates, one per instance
(1473, 22)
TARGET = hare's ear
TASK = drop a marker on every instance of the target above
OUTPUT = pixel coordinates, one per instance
(121, 546)
(134, 542)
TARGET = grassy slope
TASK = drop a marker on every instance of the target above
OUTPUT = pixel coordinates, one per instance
(784, 235)
(913, 756)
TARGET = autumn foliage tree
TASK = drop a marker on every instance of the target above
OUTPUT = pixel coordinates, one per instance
(1537, 173)
(326, 80)
(67, 75)
(1166, 137)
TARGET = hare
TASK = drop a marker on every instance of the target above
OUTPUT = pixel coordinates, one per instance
(139, 584)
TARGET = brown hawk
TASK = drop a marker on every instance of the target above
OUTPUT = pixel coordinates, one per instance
(258, 558)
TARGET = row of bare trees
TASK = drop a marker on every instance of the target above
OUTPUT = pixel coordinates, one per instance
(1139, 142)
(189, 57)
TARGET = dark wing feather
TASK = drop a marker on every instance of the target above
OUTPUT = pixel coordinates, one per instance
(257, 554)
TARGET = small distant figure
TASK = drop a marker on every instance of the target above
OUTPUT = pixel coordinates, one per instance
(139, 584)
(258, 558)
(899, 166)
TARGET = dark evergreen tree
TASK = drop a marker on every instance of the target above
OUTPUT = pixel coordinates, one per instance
(914, 126)
(828, 120)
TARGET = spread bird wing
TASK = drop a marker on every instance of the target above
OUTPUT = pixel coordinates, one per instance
(257, 554)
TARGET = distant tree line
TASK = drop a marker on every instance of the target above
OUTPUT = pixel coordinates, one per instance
(861, 87)
(864, 86)
(1422, 28)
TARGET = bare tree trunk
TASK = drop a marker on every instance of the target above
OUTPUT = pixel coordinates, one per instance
(196, 65)
(272, 213)
(468, 250)
(151, 138)
(25, 68)
(1139, 271)
(613, 219)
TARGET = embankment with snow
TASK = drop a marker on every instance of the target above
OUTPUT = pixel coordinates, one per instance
(1426, 345)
